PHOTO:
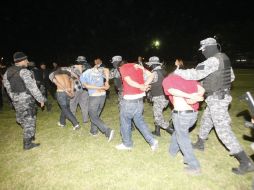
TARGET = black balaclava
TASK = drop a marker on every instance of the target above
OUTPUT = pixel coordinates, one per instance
(153, 66)
(210, 51)
(116, 64)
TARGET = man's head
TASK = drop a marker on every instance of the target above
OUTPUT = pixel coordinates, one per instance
(154, 62)
(140, 59)
(20, 59)
(116, 60)
(54, 64)
(81, 60)
(209, 47)
(43, 66)
(97, 62)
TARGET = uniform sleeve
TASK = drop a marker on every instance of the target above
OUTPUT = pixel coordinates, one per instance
(232, 75)
(51, 76)
(31, 85)
(202, 71)
(7, 85)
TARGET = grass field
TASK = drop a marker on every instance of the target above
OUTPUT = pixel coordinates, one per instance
(70, 159)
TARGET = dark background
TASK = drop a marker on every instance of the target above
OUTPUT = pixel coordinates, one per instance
(60, 31)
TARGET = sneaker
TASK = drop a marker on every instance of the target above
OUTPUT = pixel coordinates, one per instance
(77, 127)
(252, 146)
(111, 135)
(60, 125)
(249, 124)
(123, 147)
(192, 171)
(155, 145)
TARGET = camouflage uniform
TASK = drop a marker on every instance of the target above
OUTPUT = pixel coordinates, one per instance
(24, 102)
(159, 104)
(216, 113)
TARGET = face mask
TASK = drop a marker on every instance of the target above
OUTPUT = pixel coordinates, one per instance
(115, 64)
(210, 51)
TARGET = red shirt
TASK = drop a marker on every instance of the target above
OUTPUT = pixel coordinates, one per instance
(177, 82)
(136, 74)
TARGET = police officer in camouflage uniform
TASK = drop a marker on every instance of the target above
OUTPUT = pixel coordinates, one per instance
(115, 75)
(23, 91)
(216, 74)
(158, 96)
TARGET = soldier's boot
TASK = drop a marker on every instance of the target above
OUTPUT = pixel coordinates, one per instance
(246, 165)
(33, 138)
(28, 144)
(170, 128)
(157, 131)
(199, 145)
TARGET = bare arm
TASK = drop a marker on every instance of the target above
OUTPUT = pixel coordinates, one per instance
(193, 97)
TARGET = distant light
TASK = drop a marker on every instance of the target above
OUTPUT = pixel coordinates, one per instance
(156, 44)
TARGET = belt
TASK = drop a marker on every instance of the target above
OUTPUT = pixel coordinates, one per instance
(185, 111)
(135, 100)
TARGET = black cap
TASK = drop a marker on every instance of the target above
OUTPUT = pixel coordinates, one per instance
(19, 56)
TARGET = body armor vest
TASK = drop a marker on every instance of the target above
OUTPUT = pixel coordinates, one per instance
(219, 80)
(156, 87)
(16, 82)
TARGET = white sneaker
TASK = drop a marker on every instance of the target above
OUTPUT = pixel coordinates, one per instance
(123, 147)
(77, 127)
(252, 146)
(60, 125)
(155, 145)
(111, 135)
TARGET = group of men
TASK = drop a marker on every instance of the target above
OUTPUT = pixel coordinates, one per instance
(86, 86)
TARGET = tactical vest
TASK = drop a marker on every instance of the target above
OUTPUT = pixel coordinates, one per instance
(220, 79)
(16, 82)
(156, 87)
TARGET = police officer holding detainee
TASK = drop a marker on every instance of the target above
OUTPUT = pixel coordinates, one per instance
(23, 91)
(216, 74)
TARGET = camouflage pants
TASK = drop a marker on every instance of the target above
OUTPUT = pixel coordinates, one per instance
(159, 103)
(216, 115)
(26, 115)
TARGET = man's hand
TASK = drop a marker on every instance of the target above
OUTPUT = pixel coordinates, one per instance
(191, 102)
(144, 87)
(42, 104)
(196, 97)
(107, 85)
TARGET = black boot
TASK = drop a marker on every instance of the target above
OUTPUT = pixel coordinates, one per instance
(157, 131)
(33, 138)
(28, 144)
(199, 145)
(170, 128)
(246, 165)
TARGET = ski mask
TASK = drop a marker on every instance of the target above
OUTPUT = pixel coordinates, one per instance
(116, 64)
(210, 51)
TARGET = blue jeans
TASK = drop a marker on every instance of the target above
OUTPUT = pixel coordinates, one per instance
(133, 109)
(96, 104)
(64, 103)
(180, 140)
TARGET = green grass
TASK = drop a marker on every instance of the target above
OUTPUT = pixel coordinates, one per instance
(70, 159)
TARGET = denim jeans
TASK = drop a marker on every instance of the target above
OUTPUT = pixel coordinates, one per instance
(81, 99)
(180, 140)
(133, 109)
(96, 104)
(64, 103)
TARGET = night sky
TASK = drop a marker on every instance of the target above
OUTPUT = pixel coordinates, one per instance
(59, 31)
